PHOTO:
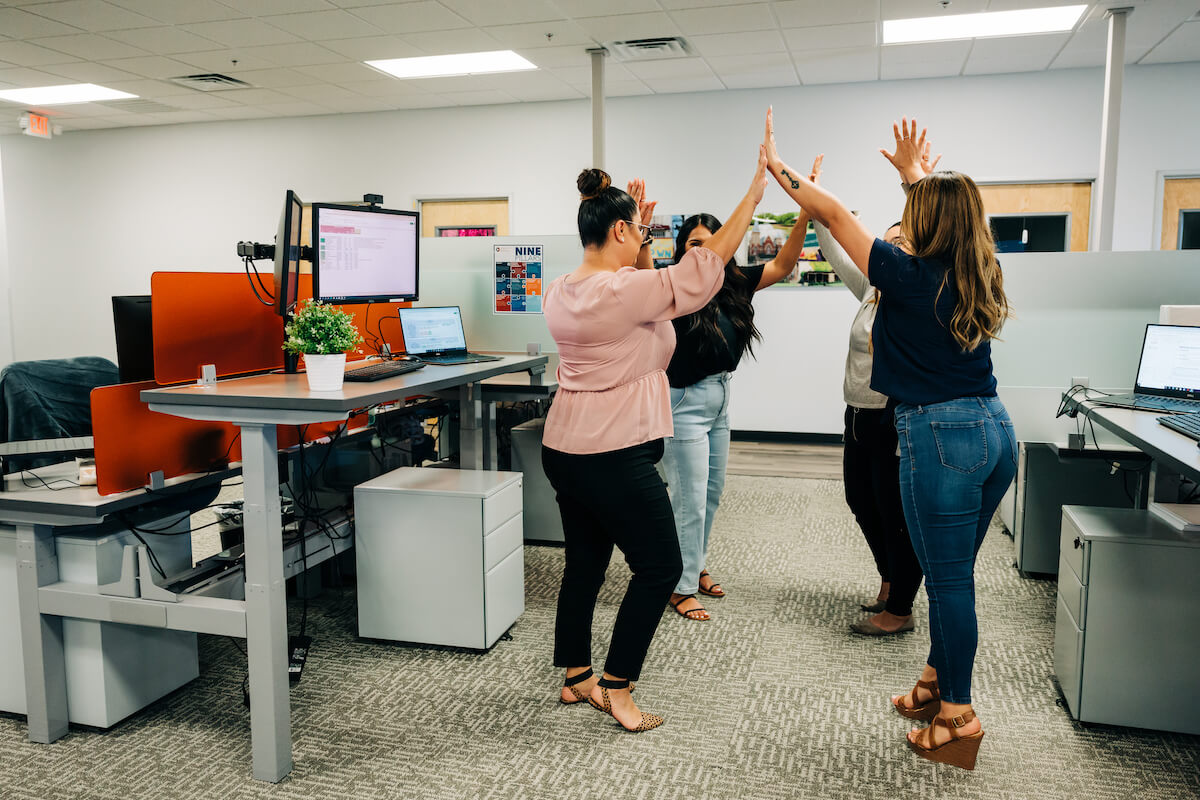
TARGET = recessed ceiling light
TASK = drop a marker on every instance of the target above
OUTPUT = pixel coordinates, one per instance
(460, 64)
(60, 95)
(971, 26)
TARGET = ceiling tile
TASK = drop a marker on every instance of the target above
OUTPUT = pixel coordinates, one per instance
(91, 72)
(590, 8)
(257, 97)
(240, 112)
(490, 12)
(298, 54)
(1182, 45)
(419, 101)
(93, 15)
(197, 100)
(370, 48)
(725, 19)
(89, 124)
(164, 41)
(761, 79)
(563, 32)
(262, 8)
(1014, 53)
(383, 89)
(23, 25)
(278, 78)
(670, 68)
(436, 43)
(912, 9)
(752, 71)
(241, 33)
(23, 77)
(629, 26)
(318, 25)
(479, 98)
(152, 66)
(673, 5)
(153, 90)
(555, 57)
(926, 60)
(577, 76)
(90, 46)
(343, 72)
(24, 54)
(848, 65)
(830, 37)
(679, 85)
(541, 94)
(180, 13)
(317, 92)
(412, 17)
(807, 14)
(732, 44)
(223, 60)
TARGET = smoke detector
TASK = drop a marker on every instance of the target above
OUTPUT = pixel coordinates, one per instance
(657, 49)
(210, 82)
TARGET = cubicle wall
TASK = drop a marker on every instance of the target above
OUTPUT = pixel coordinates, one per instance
(1076, 315)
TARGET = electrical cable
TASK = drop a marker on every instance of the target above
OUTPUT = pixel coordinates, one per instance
(249, 262)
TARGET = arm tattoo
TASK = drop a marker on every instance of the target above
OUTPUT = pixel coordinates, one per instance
(795, 183)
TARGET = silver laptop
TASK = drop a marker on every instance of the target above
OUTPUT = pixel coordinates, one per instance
(1168, 376)
(435, 335)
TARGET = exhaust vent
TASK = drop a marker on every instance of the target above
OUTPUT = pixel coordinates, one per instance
(211, 82)
(139, 106)
(649, 49)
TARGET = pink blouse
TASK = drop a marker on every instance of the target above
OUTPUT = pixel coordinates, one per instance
(615, 339)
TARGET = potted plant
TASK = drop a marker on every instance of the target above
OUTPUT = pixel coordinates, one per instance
(323, 333)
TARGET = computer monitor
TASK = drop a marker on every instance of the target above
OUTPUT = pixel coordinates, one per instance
(363, 254)
(287, 254)
(135, 337)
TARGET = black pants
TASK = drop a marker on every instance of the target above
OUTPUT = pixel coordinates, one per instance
(614, 498)
(871, 469)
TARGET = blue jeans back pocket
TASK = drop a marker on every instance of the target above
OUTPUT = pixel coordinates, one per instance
(962, 446)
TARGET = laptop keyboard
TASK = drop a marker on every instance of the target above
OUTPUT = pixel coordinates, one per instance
(1187, 424)
(382, 369)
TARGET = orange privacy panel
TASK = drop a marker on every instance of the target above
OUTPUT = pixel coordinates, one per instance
(212, 318)
(132, 441)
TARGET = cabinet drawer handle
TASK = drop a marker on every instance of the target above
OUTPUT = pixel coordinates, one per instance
(1078, 544)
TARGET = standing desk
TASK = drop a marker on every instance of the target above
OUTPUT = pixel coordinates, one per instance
(257, 405)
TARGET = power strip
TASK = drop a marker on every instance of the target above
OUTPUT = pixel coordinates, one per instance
(297, 654)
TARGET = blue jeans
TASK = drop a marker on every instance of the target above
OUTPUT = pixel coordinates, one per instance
(956, 461)
(694, 465)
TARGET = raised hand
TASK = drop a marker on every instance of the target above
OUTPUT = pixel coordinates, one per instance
(769, 139)
(759, 183)
(910, 148)
(637, 190)
(815, 174)
(925, 163)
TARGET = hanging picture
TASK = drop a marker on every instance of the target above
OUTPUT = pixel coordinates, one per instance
(518, 279)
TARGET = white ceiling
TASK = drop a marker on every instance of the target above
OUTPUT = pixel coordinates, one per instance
(303, 57)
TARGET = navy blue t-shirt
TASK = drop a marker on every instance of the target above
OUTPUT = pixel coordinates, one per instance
(915, 358)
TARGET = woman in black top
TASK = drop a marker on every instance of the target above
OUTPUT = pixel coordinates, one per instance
(709, 345)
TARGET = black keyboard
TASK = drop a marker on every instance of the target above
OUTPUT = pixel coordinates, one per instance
(1187, 424)
(382, 369)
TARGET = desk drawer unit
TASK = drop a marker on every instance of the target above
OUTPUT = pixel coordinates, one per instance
(439, 556)
(1123, 651)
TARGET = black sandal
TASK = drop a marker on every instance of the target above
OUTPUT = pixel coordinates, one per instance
(687, 614)
(570, 683)
(649, 721)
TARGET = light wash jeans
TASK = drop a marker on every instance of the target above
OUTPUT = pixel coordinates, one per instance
(694, 466)
(956, 461)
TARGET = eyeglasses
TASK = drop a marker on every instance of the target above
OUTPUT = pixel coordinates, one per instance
(647, 234)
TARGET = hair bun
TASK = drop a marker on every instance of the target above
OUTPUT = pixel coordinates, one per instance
(591, 182)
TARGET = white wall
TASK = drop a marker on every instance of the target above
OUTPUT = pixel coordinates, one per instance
(91, 214)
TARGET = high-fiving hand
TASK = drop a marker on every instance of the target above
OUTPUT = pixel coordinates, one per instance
(911, 158)
(637, 190)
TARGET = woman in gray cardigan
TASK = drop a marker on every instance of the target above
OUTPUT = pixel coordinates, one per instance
(871, 459)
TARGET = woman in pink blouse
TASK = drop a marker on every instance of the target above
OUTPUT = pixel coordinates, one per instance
(604, 435)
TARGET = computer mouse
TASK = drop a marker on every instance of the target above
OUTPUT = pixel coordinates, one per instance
(407, 358)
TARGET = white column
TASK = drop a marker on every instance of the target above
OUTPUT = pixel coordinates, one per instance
(598, 54)
(6, 331)
(1110, 127)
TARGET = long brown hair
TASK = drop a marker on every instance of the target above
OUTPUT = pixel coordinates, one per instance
(731, 299)
(944, 220)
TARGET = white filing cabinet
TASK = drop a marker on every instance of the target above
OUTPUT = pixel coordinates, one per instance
(112, 670)
(439, 556)
(1125, 651)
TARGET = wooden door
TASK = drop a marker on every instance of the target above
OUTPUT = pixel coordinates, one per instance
(1073, 199)
(466, 213)
(1179, 194)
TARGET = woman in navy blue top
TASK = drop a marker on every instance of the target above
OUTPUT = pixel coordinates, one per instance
(942, 302)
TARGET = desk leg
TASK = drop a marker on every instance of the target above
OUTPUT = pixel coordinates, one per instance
(488, 426)
(470, 427)
(41, 636)
(266, 610)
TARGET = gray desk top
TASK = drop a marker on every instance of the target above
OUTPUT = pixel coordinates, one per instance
(1141, 429)
(522, 385)
(290, 392)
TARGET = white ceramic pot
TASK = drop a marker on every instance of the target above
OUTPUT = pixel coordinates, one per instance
(325, 372)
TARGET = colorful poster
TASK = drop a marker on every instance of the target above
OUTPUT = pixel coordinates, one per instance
(518, 279)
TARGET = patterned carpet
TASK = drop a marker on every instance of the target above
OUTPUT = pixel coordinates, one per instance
(771, 699)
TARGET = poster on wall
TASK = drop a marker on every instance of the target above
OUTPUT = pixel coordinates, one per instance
(518, 279)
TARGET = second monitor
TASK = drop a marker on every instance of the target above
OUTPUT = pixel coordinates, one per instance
(363, 254)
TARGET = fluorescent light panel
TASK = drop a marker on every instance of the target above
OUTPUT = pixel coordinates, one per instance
(978, 26)
(61, 95)
(460, 64)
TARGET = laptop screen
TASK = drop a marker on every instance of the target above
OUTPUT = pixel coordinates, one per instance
(432, 330)
(1170, 363)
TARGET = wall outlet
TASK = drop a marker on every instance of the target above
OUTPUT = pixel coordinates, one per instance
(1080, 381)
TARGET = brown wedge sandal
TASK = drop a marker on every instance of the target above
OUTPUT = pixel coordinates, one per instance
(714, 589)
(649, 721)
(570, 683)
(961, 749)
(920, 711)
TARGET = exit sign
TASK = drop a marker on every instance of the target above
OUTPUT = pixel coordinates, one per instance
(37, 125)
